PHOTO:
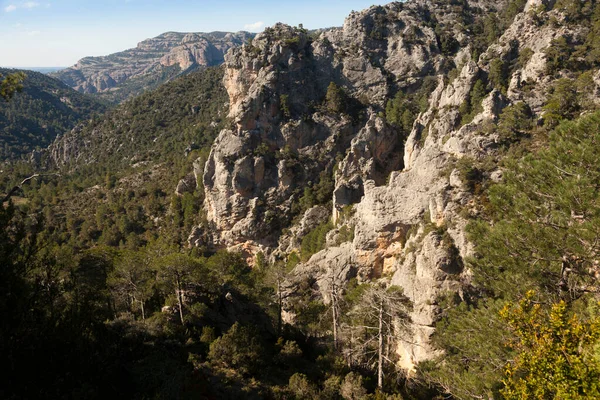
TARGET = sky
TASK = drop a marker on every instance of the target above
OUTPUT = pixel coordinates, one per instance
(57, 33)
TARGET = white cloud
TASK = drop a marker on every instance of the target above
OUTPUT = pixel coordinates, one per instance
(255, 27)
(27, 5)
(33, 33)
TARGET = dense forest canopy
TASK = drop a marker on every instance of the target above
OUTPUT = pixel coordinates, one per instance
(43, 109)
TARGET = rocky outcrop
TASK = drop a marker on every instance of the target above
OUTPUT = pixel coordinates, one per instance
(400, 193)
(277, 142)
(152, 62)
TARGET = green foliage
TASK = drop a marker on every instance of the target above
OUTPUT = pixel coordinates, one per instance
(469, 174)
(114, 194)
(400, 112)
(319, 193)
(543, 223)
(514, 121)
(44, 109)
(557, 55)
(301, 387)
(241, 348)
(160, 124)
(10, 84)
(352, 388)
(346, 234)
(229, 269)
(292, 261)
(489, 28)
(575, 11)
(474, 340)
(314, 241)
(542, 197)
(336, 99)
(555, 353)
(284, 105)
(562, 102)
(131, 281)
(498, 75)
(524, 56)
(470, 108)
(138, 85)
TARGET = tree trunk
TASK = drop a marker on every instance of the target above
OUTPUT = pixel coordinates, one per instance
(143, 312)
(334, 315)
(280, 307)
(179, 299)
(380, 348)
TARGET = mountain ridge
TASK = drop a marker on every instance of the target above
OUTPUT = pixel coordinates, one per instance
(153, 61)
(43, 110)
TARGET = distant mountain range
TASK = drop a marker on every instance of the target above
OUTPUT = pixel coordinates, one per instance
(43, 70)
(119, 76)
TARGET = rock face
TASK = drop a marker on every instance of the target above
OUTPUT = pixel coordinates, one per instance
(400, 192)
(152, 62)
(277, 142)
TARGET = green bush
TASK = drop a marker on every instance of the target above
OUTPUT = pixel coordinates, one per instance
(514, 121)
(240, 349)
(314, 241)
(562, 102)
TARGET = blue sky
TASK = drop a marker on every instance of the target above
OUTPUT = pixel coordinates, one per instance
(49, 33)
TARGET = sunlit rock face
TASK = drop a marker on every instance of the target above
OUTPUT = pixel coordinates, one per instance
(399, 192)
(153, 61)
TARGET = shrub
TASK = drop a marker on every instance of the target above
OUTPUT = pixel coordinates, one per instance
(240, 349)
(314, 241)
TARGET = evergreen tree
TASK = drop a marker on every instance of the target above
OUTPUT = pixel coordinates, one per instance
(544, 221)
(10, 84)
(373, 326)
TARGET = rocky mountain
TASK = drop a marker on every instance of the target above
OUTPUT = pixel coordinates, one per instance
(154, 61)
(311, 112)
(43, 110)
(360, 153)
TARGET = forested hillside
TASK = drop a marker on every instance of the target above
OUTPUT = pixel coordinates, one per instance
(405, 207)
(44, 109)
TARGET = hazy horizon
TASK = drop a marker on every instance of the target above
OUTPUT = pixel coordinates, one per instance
(40, 34)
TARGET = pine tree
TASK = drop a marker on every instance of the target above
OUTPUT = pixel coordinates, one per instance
(10, 84)
(542, 234)
(371, 332)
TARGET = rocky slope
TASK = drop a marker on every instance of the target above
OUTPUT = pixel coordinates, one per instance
(403, 195)
(154, 61)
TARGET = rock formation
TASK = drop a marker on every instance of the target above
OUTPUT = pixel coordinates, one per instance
(403, 197)
(152, 62)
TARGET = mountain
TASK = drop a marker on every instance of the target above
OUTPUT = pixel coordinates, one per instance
(43, 70)
(146, 147)
(415, 192)
(119, 76)
(366, 152)
(44, 109)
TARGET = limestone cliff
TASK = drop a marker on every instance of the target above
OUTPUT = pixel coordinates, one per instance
(152, 62)
(401, 193)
